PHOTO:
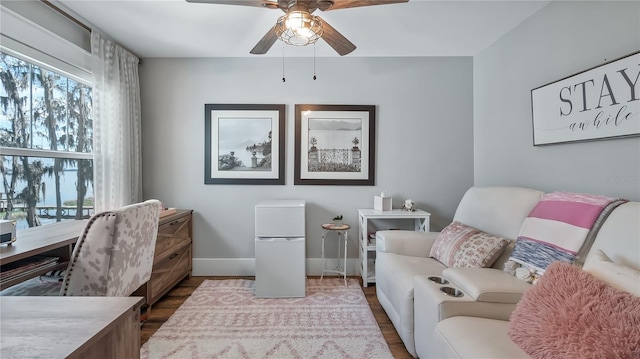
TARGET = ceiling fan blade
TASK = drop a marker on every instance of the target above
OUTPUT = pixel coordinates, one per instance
(269, 4)
(266, 42)
(335, 39)
(343, 4)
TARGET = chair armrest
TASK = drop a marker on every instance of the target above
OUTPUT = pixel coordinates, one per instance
(487, 284)
(408, 243)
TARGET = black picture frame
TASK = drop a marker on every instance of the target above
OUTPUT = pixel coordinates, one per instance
(325, 154)
(235, 134)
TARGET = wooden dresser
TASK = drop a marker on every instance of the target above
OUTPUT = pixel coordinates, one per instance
(172, 259)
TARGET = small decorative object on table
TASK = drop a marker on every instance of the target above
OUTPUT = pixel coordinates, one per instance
(7, 231)
(382, 202)
(337, 220)
(409, 206)
(166, 211)
(371, 238)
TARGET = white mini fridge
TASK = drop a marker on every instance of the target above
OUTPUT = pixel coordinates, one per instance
(280, 249)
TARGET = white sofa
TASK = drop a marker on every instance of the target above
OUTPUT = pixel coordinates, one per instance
(482, 337)
(402, 256)
(434, 325)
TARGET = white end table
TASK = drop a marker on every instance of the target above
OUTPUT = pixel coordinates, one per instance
(421, 223)
(341, 231)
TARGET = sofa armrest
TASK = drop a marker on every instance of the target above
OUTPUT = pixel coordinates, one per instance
(432, 306)
(408, 243)
(487, 284)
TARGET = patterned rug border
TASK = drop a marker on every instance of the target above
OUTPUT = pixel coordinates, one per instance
(223, 319)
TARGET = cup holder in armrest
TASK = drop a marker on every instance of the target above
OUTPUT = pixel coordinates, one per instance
(438, 280)
(452, 292)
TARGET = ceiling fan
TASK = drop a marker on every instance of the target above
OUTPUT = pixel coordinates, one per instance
(298, 26)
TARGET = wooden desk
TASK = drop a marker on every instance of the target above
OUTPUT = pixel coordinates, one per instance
(56, 239)
(70, 327)
(39, 240)
(171, 264)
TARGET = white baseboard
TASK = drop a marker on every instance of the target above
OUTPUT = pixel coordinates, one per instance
(247, 266)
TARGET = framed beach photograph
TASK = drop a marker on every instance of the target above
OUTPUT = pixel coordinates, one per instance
(244, 144)
(335, 145)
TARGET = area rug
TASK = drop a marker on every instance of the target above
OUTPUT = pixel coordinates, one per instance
(223, 319)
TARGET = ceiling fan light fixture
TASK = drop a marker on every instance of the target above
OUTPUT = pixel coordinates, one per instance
(299, 28)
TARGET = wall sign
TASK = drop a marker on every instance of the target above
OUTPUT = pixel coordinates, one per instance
(599, 103)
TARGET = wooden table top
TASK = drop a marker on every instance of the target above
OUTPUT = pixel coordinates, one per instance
(37, 240)
(334, 227)
(56, 327)
(394, 213)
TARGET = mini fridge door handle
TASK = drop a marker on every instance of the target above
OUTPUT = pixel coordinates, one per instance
(280, 239)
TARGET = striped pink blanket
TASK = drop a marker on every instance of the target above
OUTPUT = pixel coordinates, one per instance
(558, 227)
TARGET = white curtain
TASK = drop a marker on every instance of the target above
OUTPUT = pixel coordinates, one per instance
(117, 175)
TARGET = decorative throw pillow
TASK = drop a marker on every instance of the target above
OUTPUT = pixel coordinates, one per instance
(571, 314)
(459, 245)
(618, 276)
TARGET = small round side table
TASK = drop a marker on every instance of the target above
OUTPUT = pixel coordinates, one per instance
(342, 232)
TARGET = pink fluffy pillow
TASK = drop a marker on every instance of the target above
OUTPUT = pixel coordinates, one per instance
(571, 314)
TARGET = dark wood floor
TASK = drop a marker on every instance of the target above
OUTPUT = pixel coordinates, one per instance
(164, 308)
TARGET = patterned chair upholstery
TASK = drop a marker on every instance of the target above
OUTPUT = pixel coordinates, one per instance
(113, 256)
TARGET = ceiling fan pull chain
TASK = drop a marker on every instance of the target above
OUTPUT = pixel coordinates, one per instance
(314, 61)
(283, 79)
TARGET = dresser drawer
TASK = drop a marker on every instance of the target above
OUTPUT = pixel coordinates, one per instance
(169, 271)
(171, 235)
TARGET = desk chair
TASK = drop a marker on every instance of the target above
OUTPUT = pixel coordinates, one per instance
(113, 256)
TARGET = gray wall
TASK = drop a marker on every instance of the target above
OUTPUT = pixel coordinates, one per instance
(560, 40)
(424, 142)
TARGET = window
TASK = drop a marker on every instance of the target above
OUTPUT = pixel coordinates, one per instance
(46, 142)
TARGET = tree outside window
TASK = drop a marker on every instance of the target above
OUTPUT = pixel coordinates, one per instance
(46, 139)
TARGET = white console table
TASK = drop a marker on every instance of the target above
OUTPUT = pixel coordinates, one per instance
(366, 249)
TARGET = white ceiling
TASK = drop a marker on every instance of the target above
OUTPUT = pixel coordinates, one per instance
(175, 28)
